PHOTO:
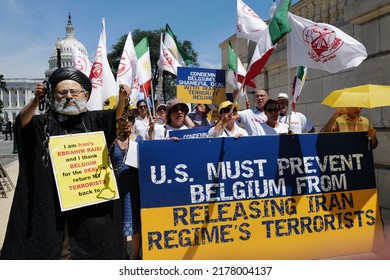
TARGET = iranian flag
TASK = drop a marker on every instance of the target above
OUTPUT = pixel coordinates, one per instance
(81, 61)
(144, 69)
(249, 25)
(127, 69)
(175, 48)
(277, 28)
(298, 83)
(322, 46)
(236, 71)
(103, 82)
(167, 61)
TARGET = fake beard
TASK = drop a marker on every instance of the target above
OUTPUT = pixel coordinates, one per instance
(71, 107)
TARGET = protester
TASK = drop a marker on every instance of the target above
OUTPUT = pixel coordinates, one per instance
(37, 229)
(8, 130)
(199, 115)
(226, 126)
(128, 184)
(349, 120)
(272, 125)
(161, 112)
(250, 118)
(142, 121)
(177, 112)
(297, 122)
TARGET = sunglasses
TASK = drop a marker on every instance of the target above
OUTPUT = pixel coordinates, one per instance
(275, 110)
(142, 106)
(161, 109)
(227, 110)
(177, 109)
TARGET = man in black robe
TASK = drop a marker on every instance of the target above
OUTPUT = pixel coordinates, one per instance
(37, 229)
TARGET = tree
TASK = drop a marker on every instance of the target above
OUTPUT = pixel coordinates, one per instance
(169, 87)
(3, 86)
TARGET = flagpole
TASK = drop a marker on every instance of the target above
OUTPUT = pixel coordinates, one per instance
(152, 96)
(288, 94)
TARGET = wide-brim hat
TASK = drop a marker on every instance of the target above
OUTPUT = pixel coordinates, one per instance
(175, 103)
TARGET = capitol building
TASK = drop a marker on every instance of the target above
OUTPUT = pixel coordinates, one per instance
(20, 90)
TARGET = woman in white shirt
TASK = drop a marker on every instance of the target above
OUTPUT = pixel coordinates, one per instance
(177, 112)
(227, 126)
(142, 121)
(272, 125)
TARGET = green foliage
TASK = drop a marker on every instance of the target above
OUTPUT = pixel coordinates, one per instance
(169, 87)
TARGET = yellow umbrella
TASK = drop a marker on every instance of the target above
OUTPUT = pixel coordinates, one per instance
(364, 96)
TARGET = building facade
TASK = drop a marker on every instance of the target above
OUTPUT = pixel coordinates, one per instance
(366, 21)
(20, 90)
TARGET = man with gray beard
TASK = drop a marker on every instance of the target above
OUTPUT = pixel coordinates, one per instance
(37, 228)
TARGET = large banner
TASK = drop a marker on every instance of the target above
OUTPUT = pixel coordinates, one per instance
(201, 85)
(302, 196)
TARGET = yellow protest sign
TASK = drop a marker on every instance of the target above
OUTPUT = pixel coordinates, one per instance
(82, 169)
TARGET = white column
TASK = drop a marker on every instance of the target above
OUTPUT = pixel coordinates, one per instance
(17, 98)
(9, 99)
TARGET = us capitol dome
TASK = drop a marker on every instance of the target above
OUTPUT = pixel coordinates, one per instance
(65, 48)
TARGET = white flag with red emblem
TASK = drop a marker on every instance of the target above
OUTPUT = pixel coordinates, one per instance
(81, 61)
(102, 79)
(167, 61)
(127, 69)
(321, 46)
(249, 24)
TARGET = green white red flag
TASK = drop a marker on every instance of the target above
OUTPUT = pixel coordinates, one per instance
(144, 68)
(175, 48)
(298, 83)
(277, 28)
(236, 71)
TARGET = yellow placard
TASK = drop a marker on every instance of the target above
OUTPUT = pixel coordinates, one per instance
(82, 169)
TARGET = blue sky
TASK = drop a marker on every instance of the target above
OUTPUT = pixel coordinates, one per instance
(29, 29)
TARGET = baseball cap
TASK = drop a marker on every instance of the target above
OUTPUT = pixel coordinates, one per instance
(226, 104)
(282, 95)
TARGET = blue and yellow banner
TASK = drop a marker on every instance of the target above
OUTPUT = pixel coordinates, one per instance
(201, 85)
(302, 196)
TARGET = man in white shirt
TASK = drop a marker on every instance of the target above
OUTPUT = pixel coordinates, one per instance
(297, 122)
(250, 118)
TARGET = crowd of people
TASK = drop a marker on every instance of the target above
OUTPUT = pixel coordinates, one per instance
(37, 227)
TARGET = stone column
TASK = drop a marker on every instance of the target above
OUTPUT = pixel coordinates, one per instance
(17, 98)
